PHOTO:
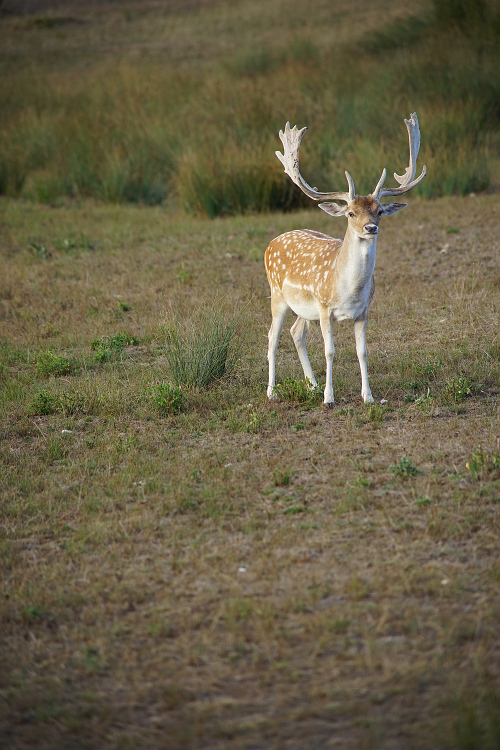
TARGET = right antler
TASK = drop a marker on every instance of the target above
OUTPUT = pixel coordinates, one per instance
(406, 181)
(291, 139)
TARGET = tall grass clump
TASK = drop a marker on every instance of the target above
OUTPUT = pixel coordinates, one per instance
(202, 348)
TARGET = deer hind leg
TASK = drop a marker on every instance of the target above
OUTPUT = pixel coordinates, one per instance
(299, 331)
(360, 334)
(325, 322)
(279, 309)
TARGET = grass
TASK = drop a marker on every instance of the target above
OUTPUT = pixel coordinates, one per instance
(182, 558)
(201, 349)
(172, 119)
(228, 570)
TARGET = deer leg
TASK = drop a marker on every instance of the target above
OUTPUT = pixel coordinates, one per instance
(299, 332)
(360, 334)
(325, 322)
(279, 309)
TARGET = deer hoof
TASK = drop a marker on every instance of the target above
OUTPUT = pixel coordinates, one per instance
(330, 405)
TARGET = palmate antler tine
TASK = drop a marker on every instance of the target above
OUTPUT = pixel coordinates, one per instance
(291, 139)
(407, 181)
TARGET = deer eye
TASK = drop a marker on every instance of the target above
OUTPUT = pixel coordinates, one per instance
(380, 212)
(351, 214)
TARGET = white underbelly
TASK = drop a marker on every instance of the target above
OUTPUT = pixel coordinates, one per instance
(301, 301)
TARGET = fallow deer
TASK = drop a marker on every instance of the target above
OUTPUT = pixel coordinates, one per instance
(322, 278)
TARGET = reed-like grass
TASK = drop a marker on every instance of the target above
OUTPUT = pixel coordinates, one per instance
(145, 133)
(202, 348)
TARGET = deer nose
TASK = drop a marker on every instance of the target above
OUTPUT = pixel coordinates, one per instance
(371, 228)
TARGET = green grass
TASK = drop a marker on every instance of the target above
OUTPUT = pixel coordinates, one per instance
(203, 132)
(203, 348)
(194, 562)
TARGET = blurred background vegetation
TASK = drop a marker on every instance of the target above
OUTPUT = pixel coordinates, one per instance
(181, 102)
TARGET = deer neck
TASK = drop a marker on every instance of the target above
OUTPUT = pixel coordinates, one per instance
(358, 260)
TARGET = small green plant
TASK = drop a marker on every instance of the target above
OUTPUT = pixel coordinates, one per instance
(202, 349)
(80, 243)
(295, 509)
(49, 363)
(458, 389)
(299, 392)
(109, 347)
(185, 276)
(483, 463)
(45, 403)
(168, 398)
(376, 413)
(255, 422)
(41, 251)
(72, 402)
(282, 478)
(31, 614)
(423, 501)
(404, 468)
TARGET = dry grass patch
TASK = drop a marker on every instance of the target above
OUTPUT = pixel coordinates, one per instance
(236, 572)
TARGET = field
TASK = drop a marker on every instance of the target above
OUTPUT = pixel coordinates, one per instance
(197, 567)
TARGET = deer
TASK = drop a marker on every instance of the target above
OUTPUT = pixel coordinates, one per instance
(324, 279)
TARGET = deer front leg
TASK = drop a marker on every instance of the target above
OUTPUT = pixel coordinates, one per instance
(360, 334)
(325, 322)
(299, 331)
(279, 309)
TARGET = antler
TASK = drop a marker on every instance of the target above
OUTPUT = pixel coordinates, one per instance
(291, 139)
(406, 181)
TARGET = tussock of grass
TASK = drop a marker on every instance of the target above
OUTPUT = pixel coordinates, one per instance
(203, 348)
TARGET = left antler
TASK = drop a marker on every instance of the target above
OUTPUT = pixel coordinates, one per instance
(406, 181)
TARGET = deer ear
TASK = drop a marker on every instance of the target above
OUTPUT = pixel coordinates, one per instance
(392, 208)
(333, 209)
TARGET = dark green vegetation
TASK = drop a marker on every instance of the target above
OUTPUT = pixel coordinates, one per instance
(150, 103)
(192, 566)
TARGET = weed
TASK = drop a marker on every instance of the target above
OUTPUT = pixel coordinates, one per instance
(376, 413)
(255, 422)
(45, 403)
(31, 614)
(483, 463)
(41, 251)
(282, 478)
(299, 392)
(423, 501)
(458, 389)
(185, 276)
(404, 468)
(109, 347)
(70, 402)
(294, 509)
(79, 243)
(168, 398)
(49, 363)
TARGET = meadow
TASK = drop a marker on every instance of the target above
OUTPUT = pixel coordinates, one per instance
(184, 563)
